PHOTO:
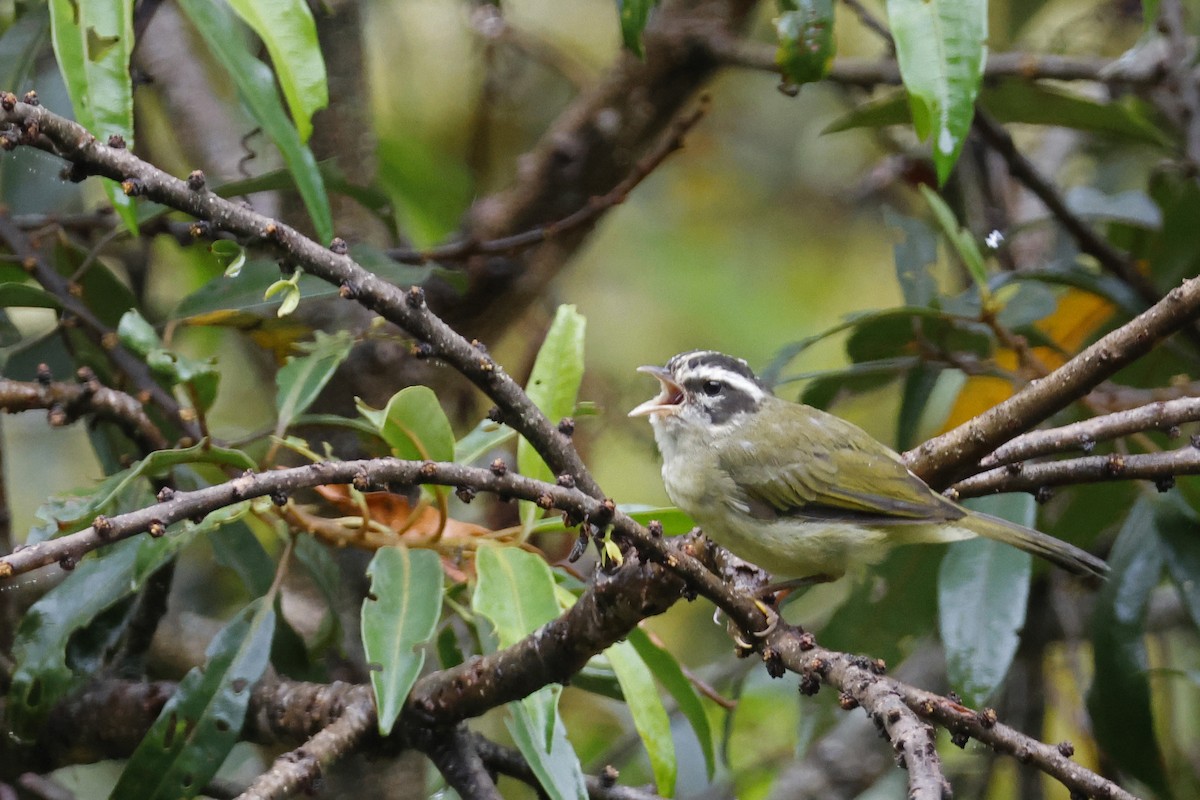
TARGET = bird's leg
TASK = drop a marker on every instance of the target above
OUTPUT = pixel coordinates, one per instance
(776, 593)
(772, 596)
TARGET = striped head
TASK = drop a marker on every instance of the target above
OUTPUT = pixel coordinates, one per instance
(703, 387)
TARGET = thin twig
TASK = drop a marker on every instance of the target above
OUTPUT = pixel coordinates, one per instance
(1162, 416)
(1089, 241)
(869, 72)
(670, 142)
(1162, 468)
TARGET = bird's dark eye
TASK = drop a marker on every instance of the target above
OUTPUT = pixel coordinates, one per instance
(712, 388)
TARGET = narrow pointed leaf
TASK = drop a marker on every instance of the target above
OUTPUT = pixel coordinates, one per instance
(634, 15)
(287, 29)
(1119, 700)
(299, 381)
(93, 42)
(515, 592)
(400, 613)
(554, 387)
(554, 762)
(649, 716)
(941, 48)
(203, 720)
(256, 86)
(669, 673)
(983, 588)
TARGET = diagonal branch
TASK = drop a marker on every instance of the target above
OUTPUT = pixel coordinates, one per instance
(1161, 416)
(943, 459)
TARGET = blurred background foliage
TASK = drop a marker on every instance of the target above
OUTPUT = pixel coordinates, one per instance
(764, 232)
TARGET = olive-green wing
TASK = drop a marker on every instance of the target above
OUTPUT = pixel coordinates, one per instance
(822, 466)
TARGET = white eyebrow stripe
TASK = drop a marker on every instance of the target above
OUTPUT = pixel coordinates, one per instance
(738, 382)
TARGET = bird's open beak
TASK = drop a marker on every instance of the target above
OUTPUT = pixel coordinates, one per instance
(669, 399)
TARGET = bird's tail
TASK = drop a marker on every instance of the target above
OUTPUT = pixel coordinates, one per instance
(1056, 551)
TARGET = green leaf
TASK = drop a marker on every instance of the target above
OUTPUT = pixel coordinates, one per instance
(515, 592)
(674, 521)
(203, 720)
(230, 255)
(237, 548)
(287, 29)
(137, 334)
(201, 377)
(400, 612)
(553, 386)
(551, 758)
(318, 562)
(649, 716)
(670, 674)
(804, 29)
(1177, 525)
(959, 238)
(915, 256)
(483, 439)
(1119, 700)
(878, 112)
(428, 184)
(256, 87)
(634, 15)
(43, 674)
(93, 41)
(22, 295)
(941, 49)
(414, 425)
(826, 387)
(983, 588)
(20, 46)
(1035, 103)
(301, 379)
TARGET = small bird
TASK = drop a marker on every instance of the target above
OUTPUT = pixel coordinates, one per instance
(797, 491)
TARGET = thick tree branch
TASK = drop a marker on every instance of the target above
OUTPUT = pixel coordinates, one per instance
(589, 149)
(67, 402)
(943, 459)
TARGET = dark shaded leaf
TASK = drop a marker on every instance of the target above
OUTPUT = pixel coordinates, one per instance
(202, 721)
(1119, 700)
(983, 588)
(804, 30)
